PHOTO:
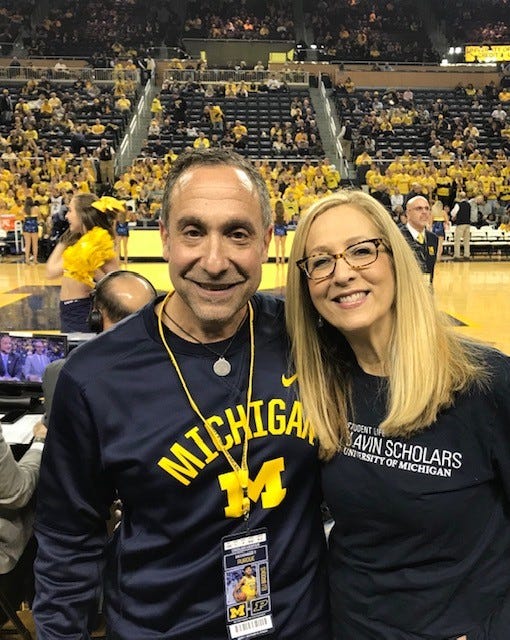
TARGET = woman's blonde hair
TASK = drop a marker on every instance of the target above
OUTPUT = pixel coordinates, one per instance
(427, 362)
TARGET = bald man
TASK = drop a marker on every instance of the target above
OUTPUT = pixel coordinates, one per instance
(116, 296)
(422, 241)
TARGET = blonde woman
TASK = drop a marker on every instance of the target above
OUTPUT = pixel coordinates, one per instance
(413, 425)
(85, 253)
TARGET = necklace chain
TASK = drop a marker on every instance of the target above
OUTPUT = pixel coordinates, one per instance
(242, 470)
(222, 366)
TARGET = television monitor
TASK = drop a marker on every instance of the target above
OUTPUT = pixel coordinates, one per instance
(23, 360)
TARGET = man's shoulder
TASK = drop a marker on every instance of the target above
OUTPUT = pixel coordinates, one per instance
(431, 237)
(269, 305)
(269, 316)
(405, 231)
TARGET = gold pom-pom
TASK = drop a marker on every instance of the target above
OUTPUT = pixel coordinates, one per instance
(108, 203)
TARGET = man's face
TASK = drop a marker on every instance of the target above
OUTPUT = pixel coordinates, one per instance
(39, 347)
(418, 213)
(215, 244)
(5, 344)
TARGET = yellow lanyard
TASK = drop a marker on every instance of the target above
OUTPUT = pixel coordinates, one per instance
(240, 471)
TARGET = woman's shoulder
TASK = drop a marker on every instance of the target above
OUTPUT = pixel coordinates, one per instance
(97, 235)
(496, 365)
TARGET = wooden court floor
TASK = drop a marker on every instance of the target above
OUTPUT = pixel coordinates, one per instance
(475, 294)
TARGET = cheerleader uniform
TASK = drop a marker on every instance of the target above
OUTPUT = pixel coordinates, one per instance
(80, 262)
(30, 224)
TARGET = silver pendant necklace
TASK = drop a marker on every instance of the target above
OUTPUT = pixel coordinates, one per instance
(221, 366)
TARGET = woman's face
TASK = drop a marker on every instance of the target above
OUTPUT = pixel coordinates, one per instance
(356, 302)
(74, 219)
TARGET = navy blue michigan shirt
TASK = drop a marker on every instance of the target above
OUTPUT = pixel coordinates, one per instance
(121, 423)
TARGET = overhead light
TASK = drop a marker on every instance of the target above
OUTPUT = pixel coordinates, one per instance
(313, 46)
(458, 50)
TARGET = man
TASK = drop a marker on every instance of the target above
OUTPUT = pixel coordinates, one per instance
(202, 142)
(106, 162)
(10, 363)
(116, 296)
(187, 410)
(436, 149)
(345, 138)
(36, 362)
(6, 107)
(422, 241)
(461, 216)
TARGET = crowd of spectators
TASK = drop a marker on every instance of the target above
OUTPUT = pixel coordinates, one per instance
(199, 114)
(450, 141)
(475, 22)
(368, 30)
(245, 19)
(14, 17)
(298, 185)
(80, 28)
(51, 138)
(447, 125)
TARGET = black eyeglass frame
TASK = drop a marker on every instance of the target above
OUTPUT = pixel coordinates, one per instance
(301, 264)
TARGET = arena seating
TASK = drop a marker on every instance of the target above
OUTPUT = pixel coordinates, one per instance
(258, 112)
(417, 140)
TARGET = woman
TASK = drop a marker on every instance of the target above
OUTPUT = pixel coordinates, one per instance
(122, 234)
(412, 421)
(85, 253)
(440, 224)
(31, 231)
(279, 231)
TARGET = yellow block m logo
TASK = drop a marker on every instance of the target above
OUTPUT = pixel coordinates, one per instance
(237, 612)
(267, 485)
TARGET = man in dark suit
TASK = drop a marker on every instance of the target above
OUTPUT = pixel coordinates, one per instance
(10, 363)
(422, 241)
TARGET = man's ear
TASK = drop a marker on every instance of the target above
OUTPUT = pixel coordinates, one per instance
(163, 232)
(268, 234)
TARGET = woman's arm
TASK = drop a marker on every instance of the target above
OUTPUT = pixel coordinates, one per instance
(55, 264)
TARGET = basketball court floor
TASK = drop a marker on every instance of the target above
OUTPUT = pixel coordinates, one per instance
(476, 295)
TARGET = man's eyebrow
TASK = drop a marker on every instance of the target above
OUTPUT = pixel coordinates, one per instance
(229, 225)
(189, 220)
(239, 223)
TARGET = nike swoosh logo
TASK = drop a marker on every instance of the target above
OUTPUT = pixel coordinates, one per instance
(286, 382)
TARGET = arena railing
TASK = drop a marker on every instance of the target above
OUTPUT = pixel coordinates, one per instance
(71, 74)
(211, 76)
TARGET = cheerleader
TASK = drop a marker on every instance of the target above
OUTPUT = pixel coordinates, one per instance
(280, 232)
(31, 231)
(440, 224)
(85, 253)
(122, 234)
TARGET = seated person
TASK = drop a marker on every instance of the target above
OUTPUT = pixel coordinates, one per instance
(18, 481)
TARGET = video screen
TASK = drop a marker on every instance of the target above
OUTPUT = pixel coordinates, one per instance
(24, 359)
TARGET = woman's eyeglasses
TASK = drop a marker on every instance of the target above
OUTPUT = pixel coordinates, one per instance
(357, 256)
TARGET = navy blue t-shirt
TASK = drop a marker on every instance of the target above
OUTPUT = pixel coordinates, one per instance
(421, 545)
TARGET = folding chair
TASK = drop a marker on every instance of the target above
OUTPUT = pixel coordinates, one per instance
(19, 627)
